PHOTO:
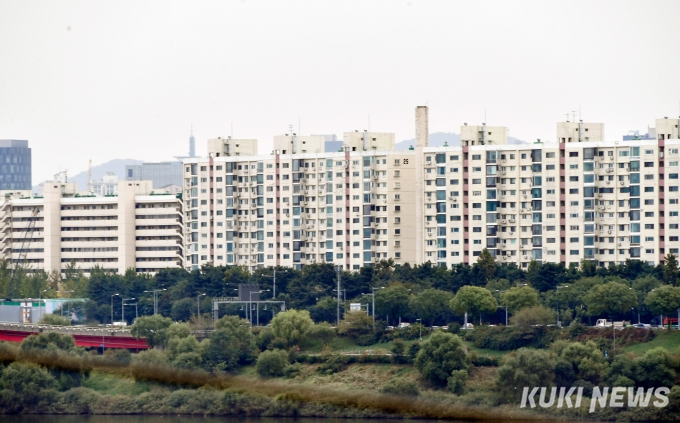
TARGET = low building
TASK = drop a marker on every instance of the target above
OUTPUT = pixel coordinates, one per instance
(138, 228)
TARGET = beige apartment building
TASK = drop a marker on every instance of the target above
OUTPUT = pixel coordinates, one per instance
(137, 228)
(579, 197)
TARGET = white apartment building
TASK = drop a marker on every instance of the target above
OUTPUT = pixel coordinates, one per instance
(580, 197)
(137, 228)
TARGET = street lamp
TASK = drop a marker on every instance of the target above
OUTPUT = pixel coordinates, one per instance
(198, 301)
(114, 295)
(372, 294)
(258, 306)
(421, 328)
(274, 278)
(506, 313)
(155, 302)
(133, 304)
(123, 309)
(68, 304)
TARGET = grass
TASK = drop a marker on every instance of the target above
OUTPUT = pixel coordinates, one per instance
(484, 351)
(668, 340)
(107, 384)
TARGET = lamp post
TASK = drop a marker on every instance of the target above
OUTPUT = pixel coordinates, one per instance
(258, 307)
(274, 281)
(506, 313)
(114, 295)
(68, 304)
(123, 309)
(133, 304)
(557, 288)
(344, 294)
(198, 301)
(421, 328)
(155, 301)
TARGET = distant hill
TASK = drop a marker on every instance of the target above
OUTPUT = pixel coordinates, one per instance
(116, 166)
(438, 139)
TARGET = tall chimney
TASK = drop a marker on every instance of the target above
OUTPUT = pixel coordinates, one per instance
(422, 130)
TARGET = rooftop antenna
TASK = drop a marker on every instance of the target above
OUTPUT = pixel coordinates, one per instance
(573, 115)
(567, 114)
(579, 112)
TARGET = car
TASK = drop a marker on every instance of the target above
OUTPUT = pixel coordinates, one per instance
(641, 326)
(403, 325)
(389, 328)
(467, 326)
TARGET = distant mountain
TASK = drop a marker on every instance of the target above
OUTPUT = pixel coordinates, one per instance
(438, 139)
(116, 166)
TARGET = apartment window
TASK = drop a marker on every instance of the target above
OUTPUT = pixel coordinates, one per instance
(573, 154)
(476, 157)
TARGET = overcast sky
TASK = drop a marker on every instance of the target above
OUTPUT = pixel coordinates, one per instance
(125, 79)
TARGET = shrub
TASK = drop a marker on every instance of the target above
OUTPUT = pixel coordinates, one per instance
(334, 364)
(454, 328)
(457, 381)
(398, 350)
(401, 386)
(503, 338)
(292, 371)
(291, 326)
(524, 368)
(533, 316)
(439, 356)
(272, 363)
(56, 320)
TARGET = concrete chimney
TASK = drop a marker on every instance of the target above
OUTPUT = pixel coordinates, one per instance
(422, 130)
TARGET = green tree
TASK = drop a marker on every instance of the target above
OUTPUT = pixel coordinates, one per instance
(439, 356)
(524, 368)
(473, 300)
(55, 320)
(518, 298)
(230, 344)
(392, 301)
(430, 304)
(271, 363)
(487, 264)
(182, 309)
(610, 298)
(533, 316)
(664, 300)
(291, 325)
(670, 269)
(152, 328)
(25, 382)
(355, 324)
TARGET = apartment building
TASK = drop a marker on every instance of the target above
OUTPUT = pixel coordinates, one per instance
(137, 228)
(580, 197)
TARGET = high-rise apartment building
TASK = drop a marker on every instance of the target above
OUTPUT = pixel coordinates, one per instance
(137, 228)
(578, 198)
(161, 174)
(15, 165)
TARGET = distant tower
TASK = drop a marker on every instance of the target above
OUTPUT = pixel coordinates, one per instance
(192, 143)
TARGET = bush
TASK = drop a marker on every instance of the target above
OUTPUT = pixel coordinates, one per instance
(439, 356)
(524, 368)
(334, 364)
(398, 350)
(55, 319)
(504, 338)
(454, 328)
(272, 363)
(533, 316)
(293, 370)
(457, 381)
(401, 386)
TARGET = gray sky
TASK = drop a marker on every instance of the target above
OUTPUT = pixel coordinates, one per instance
(125, 79)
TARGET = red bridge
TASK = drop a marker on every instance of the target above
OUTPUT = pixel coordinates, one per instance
(84, 336)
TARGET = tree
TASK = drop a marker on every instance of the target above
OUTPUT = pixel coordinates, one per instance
(533, 316)
(152, 328)
(438, 357)
(473, 300)
(516, 299)
(487, 264)
(546, 276)
(670, 269)
(392, 301)
(524, 368)
(355, 324)
(182, 309)
(610, 298)
(430, 304)
(664, 300)
(25, 382)
(325, 310)
(290, 326)
(271, 363)
(230, 344)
